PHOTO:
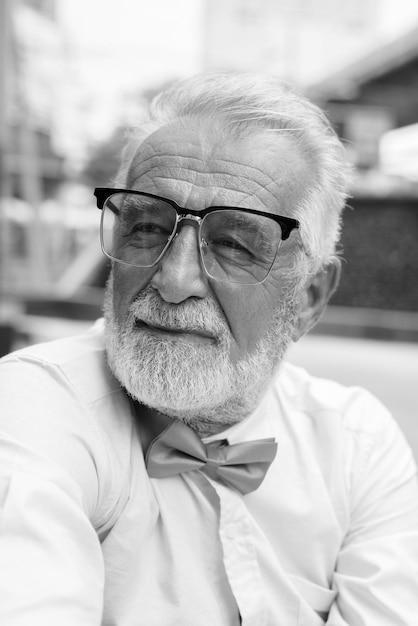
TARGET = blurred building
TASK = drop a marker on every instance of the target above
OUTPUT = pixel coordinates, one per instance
(365, 100)
(372, 96)
(32, 67)
(299, 40)
(38, 239)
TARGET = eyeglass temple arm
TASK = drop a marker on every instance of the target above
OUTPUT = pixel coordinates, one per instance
(110, 205)
(288, 227)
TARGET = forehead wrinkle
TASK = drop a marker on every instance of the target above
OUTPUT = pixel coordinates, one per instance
(215, 188)
(211, 167)
(202, 168)
(251, 193)
(203, 164)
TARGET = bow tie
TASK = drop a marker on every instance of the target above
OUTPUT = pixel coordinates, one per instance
(178, 449)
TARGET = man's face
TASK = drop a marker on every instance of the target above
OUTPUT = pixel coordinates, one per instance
(173, 310)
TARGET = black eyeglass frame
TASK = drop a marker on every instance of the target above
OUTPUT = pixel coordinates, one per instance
(287, 224)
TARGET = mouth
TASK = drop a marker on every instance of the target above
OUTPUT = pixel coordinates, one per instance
(186, 334)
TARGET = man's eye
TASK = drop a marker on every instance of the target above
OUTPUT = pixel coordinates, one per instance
(145, 228)
(229, 243)
(231, 247)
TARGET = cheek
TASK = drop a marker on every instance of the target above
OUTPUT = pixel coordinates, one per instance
(248, 311)
(254, 325)
(127, 283)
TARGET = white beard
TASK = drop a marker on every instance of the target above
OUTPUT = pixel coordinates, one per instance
(196, 384)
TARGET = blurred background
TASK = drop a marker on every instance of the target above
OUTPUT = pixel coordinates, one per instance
(75, 73)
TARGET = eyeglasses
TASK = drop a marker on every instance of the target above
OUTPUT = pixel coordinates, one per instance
(236, 245)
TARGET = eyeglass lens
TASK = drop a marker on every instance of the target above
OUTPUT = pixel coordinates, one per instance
(235, 246)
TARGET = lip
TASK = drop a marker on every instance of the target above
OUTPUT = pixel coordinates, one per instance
(180, 333)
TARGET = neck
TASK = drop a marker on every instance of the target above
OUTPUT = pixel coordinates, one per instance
(151, 423)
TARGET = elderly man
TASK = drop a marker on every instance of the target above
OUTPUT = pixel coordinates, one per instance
(168, 468)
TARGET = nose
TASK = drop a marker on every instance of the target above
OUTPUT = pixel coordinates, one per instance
(180, 274)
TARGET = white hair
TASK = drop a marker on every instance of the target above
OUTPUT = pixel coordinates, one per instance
(242, 104)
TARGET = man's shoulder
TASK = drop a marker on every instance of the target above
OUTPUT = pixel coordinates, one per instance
(354, 408)
(62, 410)
(341, 427)
(78, 361)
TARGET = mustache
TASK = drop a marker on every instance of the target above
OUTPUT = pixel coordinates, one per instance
(194, 314)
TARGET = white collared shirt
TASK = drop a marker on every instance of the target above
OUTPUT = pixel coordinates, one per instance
(88, 539)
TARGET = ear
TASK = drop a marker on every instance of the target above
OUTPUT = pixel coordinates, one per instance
(315, 296)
